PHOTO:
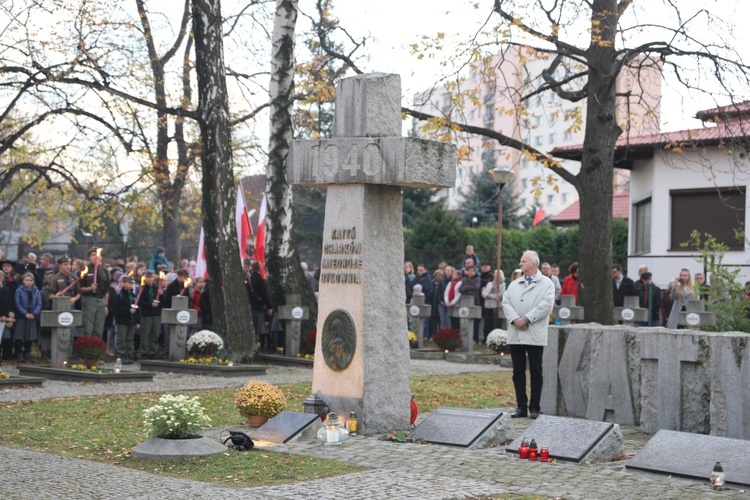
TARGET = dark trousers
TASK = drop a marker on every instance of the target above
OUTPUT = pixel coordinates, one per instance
(518, 353)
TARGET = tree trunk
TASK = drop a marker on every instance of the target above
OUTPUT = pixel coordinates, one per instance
(229, 302)
(595, 177)
(282, 260)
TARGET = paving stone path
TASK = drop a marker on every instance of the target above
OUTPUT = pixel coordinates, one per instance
(397, 470)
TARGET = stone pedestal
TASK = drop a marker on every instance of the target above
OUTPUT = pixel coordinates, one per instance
(292, 314)
(179, 318)
(62, 319)
(467, 313)
(567, 312)
(362, 354)
(418, 312)
(631, 313)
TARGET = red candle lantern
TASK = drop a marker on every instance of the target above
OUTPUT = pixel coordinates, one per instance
(544, 454)
(533, 451)
(523, 450)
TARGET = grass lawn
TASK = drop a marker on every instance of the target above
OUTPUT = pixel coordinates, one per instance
(105, 428)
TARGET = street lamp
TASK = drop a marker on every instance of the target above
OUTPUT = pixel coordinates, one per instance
(501, 177)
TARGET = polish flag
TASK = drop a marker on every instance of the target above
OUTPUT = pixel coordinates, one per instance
(243, 224)
(200, 261)
(260, 238)
(538, 217)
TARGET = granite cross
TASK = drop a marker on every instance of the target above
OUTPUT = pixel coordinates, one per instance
(178, 318)
(292, 314)
(362, 354)
(62, 319)
(696, 316)
(467, 313)
(631, 314)
(418, 311)
(567, 311)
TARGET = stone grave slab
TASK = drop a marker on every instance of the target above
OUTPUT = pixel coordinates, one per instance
(694, 455)
(467, 428)
(70, 375)
(574, 439)
(201, 369)
(19, 381)
(288, 426)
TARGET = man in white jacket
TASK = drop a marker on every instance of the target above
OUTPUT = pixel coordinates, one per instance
(527, 304)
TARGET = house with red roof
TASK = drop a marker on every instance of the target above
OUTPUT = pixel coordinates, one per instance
(683, 181)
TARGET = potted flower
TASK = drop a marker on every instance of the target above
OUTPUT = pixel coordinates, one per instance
(204, 343)
(259, 401)
(413, 341)
(90, 349)
(447, 339)
(497, 340)
(175, 417)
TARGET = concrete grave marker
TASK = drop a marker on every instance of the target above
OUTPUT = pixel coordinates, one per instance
(574, 439)
(696, 316)
(567, 312)
(418, 312)
(631, 313)
(467, 428)
(287, 427)
(364, 167)
(62, 319)
(467, 313)
(694, 455)
(178, 318)
(293, 313)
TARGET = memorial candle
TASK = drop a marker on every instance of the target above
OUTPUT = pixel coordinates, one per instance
(83, 275)
(185, 286)
(140, 290)
(161, 281)
(523, 450)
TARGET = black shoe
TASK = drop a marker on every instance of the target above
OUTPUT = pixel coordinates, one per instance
(19, 358)
(520, 413)
(29, 358)
(533, 414)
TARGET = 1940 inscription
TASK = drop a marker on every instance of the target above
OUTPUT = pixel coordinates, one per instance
(328, 159)
(342, 261)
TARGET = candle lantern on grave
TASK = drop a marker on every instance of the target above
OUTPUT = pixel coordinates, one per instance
(315, 405)
(332, 433)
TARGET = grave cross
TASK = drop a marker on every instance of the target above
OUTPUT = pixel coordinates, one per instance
(418, 311)
(567, 312)
(467, 313)
(62, 319)
(631, 313)
(696, 316)
(362, 357)
(293, 313)
(178, 318)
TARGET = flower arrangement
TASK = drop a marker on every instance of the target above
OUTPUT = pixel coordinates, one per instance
(84, 368)
(3, 375)
(447, 338)
(305, 356)
(175, 417)
(259, 398)
(89, 348)
(497, 340)
(204, 343)
(413, 341)
(213, 360)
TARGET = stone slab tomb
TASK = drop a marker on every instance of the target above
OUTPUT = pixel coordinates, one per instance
(287, 427)
(694, 455)
(574, 439)
(467, 428)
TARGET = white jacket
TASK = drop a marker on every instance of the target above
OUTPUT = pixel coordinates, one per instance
(535, 301)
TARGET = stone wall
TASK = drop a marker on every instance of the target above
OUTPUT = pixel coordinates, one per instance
(655, 378)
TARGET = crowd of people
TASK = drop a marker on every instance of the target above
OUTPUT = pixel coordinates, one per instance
(446, 285)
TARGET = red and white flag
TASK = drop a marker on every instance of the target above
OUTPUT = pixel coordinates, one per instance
(244, 232)
(538, 217)
(200, 261)
(260, 238)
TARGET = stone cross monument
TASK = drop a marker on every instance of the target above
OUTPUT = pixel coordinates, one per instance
(567, 312)
(419, 312)
(467, 313)
(631, 314)
(179, 317)
(62, 319)
(362, 351)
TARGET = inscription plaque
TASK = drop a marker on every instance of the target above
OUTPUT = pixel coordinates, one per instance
(414, 310)
(456, 426)
(693, 319)
(463, 312)
(298, 312)
(694, 455)
(286, 426)
(567, 438)
(183, 317)
(65, 319)
(627, 314)
(564, 313)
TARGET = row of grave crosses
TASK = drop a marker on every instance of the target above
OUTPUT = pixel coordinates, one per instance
(63, 318)
(567, 313)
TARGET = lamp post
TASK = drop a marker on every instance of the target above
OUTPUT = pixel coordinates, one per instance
(501, 177)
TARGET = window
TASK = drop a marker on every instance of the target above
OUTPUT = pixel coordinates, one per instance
(524, 163)
(538, 121)
(567, 136)
(550, 199)
(716, 211)
(552, 138)
(539, 140)
(565, 198)
(642, 230)
(524, 183)
(472, 114)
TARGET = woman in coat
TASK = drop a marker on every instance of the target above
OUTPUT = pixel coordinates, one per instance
(28, 303)
(680, 291)
(570, 283)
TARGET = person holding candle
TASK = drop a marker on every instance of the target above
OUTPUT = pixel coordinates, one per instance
(127, 318)
(150, 309)
(95, 292)
(28, 302)
(527, 304)
(64, 283)
(177, 287)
